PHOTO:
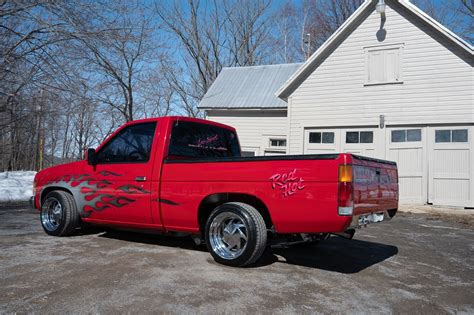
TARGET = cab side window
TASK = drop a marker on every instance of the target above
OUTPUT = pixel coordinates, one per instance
(131, 144)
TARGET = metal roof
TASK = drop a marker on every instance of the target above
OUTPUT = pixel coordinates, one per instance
(248, 87)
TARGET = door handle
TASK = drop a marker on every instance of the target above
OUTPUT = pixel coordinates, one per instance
(140, 178)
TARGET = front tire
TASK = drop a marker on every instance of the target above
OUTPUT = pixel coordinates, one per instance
(59, 215)
(236, 234)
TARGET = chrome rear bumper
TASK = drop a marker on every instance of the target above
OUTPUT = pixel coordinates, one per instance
(359, 221)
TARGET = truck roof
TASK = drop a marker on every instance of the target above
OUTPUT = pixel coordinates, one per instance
(181, 118)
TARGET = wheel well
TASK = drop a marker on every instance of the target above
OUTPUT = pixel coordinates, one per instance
(212, 201)
(47, 190)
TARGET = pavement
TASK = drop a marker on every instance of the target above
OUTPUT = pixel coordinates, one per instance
(416, 263)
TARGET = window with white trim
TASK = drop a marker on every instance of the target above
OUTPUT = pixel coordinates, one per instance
(406, 135)
(281, 143)
(383, 65)
(448, 135)
(321, 137)
(359, 137)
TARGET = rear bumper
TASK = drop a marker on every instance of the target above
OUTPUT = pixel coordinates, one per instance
(363, 220)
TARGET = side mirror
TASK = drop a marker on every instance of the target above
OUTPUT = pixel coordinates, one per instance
(91, 156)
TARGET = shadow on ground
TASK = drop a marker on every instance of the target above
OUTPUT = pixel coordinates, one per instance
(338, 255)
(334, 254)
(184, 242)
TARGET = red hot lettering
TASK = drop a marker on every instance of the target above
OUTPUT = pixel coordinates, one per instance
(289, 183)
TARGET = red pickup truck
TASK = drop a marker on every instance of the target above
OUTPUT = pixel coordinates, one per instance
(178, 174)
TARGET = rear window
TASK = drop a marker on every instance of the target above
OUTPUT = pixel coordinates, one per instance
(192, 139)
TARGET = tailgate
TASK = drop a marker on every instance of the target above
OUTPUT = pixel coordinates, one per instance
(375, 185)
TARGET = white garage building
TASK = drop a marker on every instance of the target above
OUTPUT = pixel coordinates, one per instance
(397, 86)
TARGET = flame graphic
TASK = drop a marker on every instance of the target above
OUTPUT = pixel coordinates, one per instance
(93, 195)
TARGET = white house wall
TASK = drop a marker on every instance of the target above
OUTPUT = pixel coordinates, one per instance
(254, 127)
(437, 84)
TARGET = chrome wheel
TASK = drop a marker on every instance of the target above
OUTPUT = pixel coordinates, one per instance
(228, 235)
(51, 214)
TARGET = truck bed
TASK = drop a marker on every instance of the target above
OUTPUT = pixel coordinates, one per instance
(299, 191)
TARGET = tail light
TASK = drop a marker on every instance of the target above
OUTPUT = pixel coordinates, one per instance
(346, 190)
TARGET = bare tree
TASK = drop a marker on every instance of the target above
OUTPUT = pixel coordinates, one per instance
(248, 30)
(469, 6)
(325, 17)
(116, 47)
(212, 35)
(302, 27)
(455, 15)
(285, 43)
(200, 36)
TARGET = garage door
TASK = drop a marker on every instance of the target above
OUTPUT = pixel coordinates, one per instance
(435, 164)
(451, 162)
(406, 146)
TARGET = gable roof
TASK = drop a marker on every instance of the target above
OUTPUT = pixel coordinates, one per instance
(248, 87)
(348, 26)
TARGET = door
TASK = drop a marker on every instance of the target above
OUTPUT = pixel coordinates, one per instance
(121, 187)
(407, 147)
(451, 163)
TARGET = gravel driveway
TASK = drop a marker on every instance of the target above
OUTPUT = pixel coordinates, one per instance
(415, 263)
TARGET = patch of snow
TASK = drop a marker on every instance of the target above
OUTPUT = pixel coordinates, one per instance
(16, 186)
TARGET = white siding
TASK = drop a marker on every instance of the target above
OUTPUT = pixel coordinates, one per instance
(437, 83)
(254, 127)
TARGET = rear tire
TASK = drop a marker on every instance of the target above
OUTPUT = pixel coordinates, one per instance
(236, 234)
(59, 215)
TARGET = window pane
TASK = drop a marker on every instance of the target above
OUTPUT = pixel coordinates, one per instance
(132, 144)
(414, 135)
(314, 137)
(352, 137)
(366, 137)
(443, 136)
(460, 135)
(202, 140)
(398, 135)
(278, 142)
(328, 137)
